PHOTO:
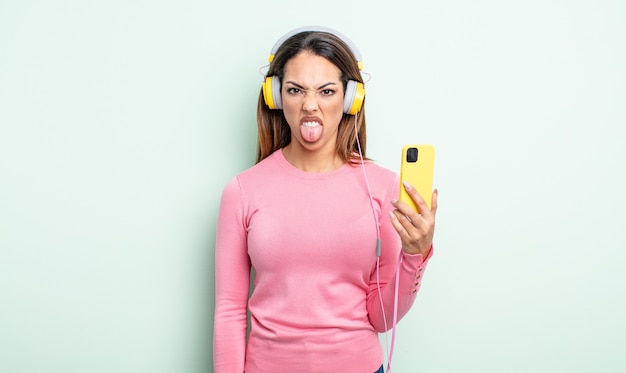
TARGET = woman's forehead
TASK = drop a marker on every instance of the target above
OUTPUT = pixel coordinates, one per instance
(311, 68)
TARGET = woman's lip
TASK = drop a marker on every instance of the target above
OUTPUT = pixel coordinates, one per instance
(310, 119)
(311, 124)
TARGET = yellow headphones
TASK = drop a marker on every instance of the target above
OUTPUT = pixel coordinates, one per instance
(355, 91)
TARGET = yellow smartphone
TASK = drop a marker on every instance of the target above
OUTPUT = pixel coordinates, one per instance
(417, 167)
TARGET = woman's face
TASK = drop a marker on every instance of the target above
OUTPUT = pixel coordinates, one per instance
(312, 98)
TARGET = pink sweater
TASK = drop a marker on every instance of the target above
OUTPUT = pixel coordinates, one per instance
(311, 241)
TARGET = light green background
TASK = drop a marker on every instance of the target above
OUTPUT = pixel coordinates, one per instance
(121, 121)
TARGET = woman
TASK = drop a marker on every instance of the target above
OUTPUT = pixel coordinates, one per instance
(317, 222)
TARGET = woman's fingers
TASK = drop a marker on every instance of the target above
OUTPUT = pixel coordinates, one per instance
(421, 204)
(416, 230)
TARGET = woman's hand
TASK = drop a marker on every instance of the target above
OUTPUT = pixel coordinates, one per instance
(416, 230)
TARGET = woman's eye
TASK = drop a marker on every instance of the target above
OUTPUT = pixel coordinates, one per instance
(327, 92)
(293, 91)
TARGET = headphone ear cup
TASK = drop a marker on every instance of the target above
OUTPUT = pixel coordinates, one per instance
(353, 99)
(271, 92)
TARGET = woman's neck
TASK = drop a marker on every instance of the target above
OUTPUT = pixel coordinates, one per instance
(312, 161)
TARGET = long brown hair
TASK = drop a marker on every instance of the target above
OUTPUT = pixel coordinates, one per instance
(274, 132)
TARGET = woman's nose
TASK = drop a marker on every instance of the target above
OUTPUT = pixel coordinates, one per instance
(310, 101)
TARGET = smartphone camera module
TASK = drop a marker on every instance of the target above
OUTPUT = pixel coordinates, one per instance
(411, 155)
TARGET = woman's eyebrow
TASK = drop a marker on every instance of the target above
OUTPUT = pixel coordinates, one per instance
(302, 87)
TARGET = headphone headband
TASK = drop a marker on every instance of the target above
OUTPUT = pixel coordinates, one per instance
(353, 48)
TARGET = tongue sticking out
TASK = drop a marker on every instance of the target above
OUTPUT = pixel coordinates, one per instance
(311, 131)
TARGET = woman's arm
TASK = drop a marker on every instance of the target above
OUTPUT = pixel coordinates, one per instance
(404, 251)
(232, 283)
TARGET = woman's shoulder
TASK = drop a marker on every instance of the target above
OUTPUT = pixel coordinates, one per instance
(379, 178)
(259, 169)
(245, 182)
(253, 174)
(380, 171)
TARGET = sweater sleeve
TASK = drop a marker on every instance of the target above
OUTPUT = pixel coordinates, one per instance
(383, 278)
(232, 282)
